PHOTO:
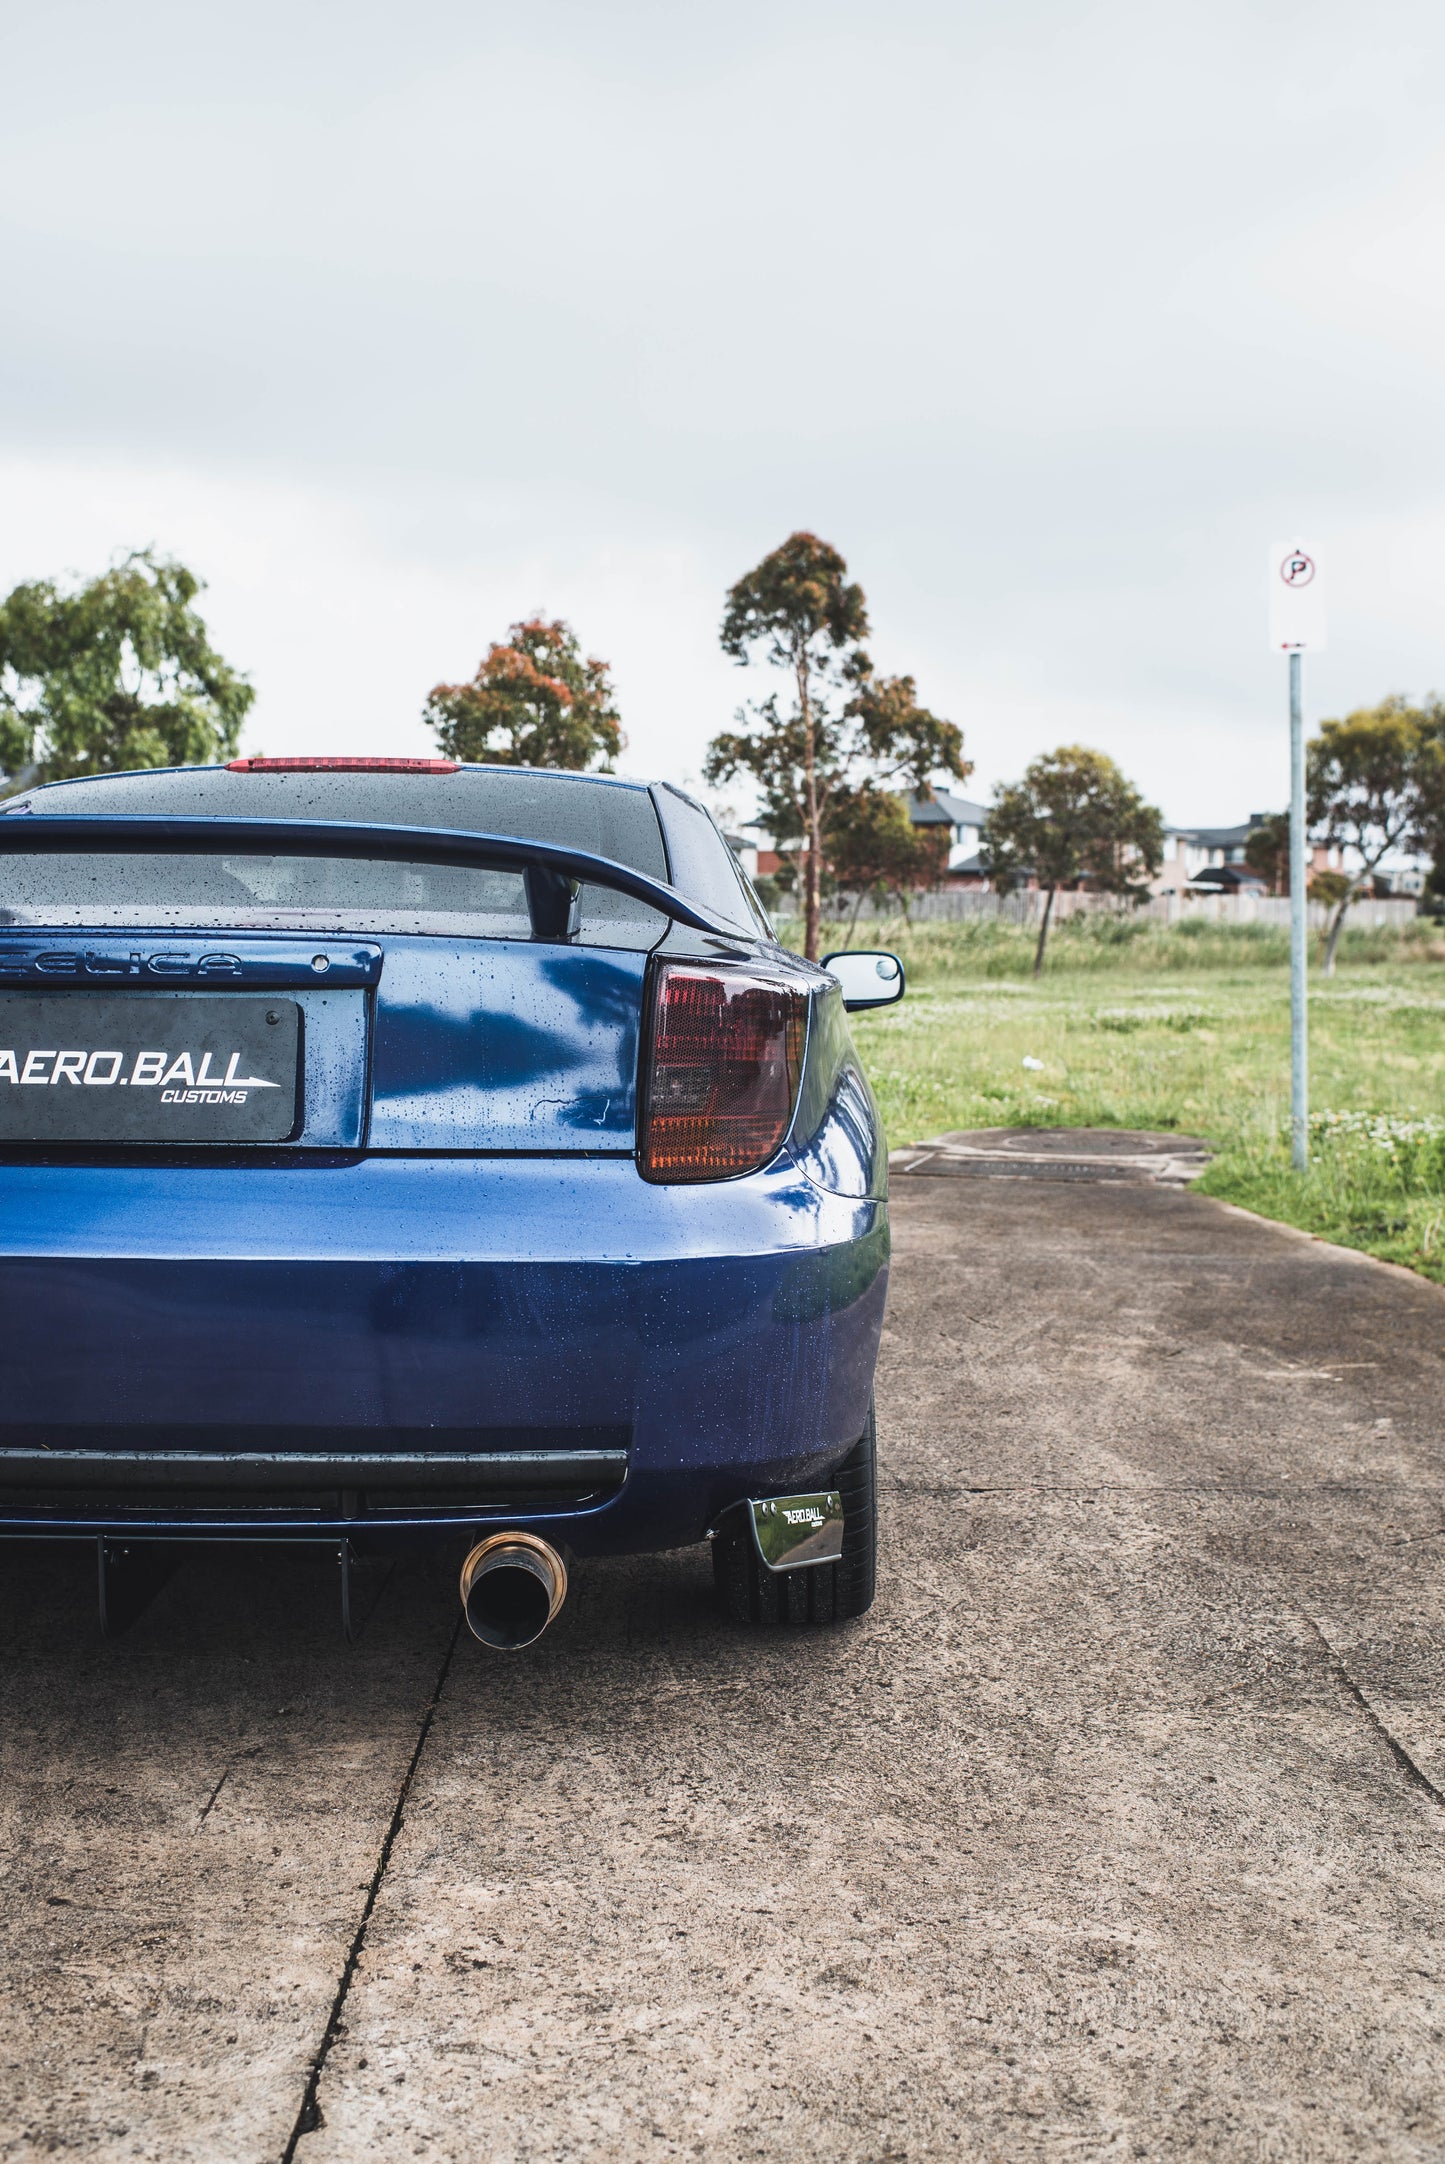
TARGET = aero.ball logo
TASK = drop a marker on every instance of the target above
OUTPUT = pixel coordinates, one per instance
(182, 1078)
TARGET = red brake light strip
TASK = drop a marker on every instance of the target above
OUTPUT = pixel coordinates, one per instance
(343, 766)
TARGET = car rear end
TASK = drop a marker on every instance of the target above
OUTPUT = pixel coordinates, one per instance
(348, 1199)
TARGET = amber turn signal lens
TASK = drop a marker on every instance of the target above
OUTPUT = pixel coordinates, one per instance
(726, 1052)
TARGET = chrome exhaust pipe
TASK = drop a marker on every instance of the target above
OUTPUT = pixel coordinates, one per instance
(512, 1586)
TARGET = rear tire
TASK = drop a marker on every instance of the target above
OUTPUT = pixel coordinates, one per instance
(823, 1592)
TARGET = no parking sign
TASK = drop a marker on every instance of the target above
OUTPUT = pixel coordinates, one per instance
(1296, 599)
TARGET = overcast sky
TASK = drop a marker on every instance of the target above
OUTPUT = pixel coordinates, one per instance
(397, 323)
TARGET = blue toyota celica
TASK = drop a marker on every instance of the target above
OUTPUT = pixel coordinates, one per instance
(395, 1148)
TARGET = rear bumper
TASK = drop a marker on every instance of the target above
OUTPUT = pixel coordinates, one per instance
(705, 1342)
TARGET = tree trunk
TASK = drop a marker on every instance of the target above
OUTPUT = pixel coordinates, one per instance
(1332, 940)
(813, 859)
(857, 911)
(1044, 933)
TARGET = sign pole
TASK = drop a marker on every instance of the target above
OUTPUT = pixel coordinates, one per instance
(1298, 930)
(1297, 621)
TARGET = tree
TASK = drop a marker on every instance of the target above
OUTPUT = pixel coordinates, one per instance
(1328, 887)
(117, 674)
(798, 611)
(1370, 784)
(1073, 818)
(1266, 851)
(874, 848)
(902, 738)
(1429, 835)
(533, 702)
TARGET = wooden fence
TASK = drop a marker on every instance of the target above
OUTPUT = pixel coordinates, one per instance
(963, 905)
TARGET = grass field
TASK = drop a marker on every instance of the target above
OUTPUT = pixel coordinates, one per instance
(1187, 1029)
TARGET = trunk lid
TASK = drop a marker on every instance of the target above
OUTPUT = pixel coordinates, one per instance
(307, 1041)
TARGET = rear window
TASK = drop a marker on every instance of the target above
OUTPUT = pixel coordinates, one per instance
(703, 866)
(271, 893)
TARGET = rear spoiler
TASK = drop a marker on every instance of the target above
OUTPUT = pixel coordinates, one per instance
(550, 873)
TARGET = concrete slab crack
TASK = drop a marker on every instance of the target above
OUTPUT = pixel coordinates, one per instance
(308, 2118)
(1413, 1773)
(210, 1802)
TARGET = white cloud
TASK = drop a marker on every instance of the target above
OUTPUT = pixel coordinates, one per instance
(397, 325)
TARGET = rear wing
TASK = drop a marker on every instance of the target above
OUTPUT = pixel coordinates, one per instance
(551, 874)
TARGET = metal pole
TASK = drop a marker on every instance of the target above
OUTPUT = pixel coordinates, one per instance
(1298, 932)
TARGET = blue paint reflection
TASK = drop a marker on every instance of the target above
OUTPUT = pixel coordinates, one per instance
(523, 1050)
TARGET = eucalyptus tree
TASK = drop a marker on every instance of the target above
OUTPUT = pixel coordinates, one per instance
(837, 725)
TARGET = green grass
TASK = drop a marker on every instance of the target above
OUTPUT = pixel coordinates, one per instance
(1187, 1029)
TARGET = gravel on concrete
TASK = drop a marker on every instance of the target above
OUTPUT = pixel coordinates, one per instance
(1114, 1830)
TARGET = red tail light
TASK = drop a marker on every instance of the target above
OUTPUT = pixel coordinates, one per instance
(725, 1056)
(343, 766)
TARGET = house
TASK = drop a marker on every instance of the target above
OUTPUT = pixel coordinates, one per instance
(965, 824)
(1212, 860)
(1393, 880)
(756, 847)
(1208, 860)
(745, 848)
(756, 850)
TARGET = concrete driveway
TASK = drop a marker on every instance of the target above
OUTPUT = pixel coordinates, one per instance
(1114, 1830)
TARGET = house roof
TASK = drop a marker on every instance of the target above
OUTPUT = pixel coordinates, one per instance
(1218, 876)
(1220, 837)
(1213, 837)
(944, 809)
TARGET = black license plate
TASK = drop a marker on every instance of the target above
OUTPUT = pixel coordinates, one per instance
(119, 1067)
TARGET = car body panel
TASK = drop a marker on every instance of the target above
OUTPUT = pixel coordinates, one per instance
(735, 1344)
(837, 1136)
(457, 1253)
(492, 1045)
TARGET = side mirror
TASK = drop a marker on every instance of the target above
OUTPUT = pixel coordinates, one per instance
(867, 979)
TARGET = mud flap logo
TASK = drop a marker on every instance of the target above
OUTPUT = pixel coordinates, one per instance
(792, 1531)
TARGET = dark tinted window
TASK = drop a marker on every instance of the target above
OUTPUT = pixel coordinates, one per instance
(703, 866)
(311, 893)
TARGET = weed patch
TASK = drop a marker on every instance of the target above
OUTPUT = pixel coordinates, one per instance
(1186, 1030)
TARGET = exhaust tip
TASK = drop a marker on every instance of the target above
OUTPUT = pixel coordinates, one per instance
(512, 1586)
